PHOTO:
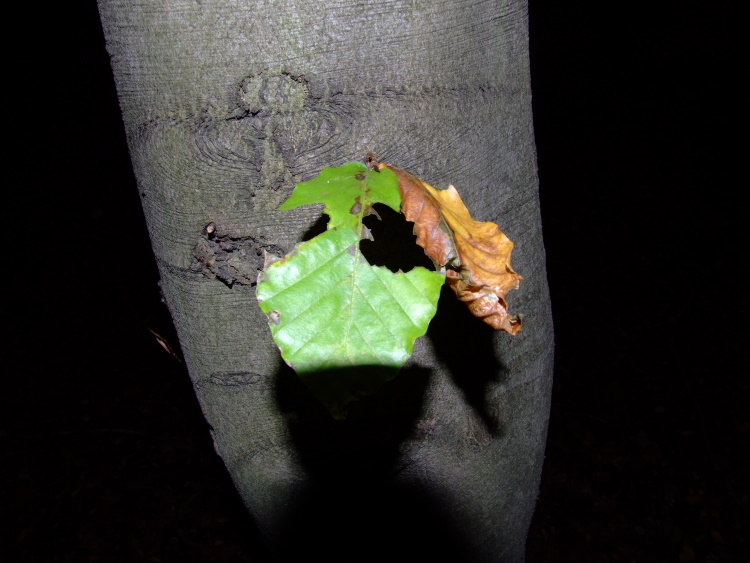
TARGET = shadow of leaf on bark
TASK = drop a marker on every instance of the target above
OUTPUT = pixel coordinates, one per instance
(353, 507)
(465, 346)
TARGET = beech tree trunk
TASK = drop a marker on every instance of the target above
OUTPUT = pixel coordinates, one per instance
(226, 106)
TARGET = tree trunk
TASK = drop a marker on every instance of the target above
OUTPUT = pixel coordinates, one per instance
(226, 107)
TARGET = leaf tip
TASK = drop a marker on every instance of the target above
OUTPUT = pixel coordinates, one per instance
(371, 161)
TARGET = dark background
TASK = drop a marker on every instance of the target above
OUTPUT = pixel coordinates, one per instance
(106, 456)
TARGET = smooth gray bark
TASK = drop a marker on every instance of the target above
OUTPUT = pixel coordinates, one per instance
(226, 106)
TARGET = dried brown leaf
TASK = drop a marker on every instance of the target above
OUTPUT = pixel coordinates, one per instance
(478, 250)
(418, 206)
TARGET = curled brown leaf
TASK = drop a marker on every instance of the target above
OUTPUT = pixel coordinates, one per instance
(479, 251)
(418, 206)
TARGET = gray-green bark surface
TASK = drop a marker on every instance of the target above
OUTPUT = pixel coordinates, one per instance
(226, 106)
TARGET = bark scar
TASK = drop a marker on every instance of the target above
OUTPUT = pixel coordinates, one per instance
(231, 259)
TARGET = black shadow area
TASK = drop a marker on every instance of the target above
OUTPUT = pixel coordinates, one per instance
(464, 344)
(350, 509)
(393, 244)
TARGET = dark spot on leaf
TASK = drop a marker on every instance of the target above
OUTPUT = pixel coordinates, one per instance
(274, 317)
(360, 176)
(356, 209)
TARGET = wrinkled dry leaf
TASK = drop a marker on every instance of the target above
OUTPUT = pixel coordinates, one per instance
(418, 206)
(478, 250)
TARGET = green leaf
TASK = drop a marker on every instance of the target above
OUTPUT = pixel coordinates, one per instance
(329, 310)
(348, 192)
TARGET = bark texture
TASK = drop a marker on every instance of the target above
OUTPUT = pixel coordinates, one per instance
(226, 106)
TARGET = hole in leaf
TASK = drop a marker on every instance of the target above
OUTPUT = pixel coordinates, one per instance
(395, 244)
